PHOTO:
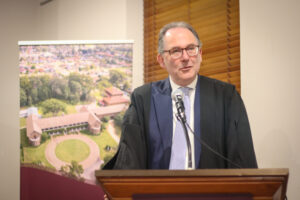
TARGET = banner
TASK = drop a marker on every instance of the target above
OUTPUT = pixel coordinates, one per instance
(73, 95)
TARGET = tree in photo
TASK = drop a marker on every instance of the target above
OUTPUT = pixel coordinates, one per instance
(44, 91)
(76, 91)
(103, 83)
(74, 170)
(23, 97)
(81, 84)
(117, 78)
(59, 88)
(53, 106)
(25, 88)
(34, 89)
(118, 119)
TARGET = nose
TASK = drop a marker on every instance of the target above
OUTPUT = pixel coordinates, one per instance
(185, 55)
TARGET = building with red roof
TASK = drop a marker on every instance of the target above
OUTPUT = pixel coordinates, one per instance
(87, 118)
(114, 96)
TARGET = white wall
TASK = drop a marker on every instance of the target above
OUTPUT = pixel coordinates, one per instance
(270, 42)
(58, 20)
(16, 23)
(95, 20)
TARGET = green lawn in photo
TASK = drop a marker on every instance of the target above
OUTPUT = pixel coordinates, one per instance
(72, 149)
(24, 140)
(71, 109)
(22, 122)
(35, 154)
(102, 141)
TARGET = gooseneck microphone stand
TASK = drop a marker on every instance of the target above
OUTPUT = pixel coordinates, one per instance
(182, 118)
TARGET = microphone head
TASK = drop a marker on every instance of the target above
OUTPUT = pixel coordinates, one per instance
(177, 94)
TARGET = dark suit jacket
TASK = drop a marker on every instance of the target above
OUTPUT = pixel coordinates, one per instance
(220, 121)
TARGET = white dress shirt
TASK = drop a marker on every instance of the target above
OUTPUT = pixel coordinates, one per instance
(191, 123)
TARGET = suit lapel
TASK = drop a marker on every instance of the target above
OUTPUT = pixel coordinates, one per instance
(163, 110)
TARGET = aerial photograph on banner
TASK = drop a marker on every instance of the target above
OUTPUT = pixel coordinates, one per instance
(72, 100)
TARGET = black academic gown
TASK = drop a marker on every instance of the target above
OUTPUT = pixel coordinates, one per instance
(223, 123)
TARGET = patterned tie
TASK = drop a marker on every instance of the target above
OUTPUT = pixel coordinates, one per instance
(179, 146)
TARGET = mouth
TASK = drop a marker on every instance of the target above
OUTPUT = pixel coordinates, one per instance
(186, 68)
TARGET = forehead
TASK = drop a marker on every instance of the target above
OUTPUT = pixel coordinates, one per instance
(179, 37)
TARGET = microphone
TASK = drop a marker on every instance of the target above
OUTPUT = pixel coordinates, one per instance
(177, 96)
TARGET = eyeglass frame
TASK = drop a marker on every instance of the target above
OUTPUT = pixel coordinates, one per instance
(169, 51)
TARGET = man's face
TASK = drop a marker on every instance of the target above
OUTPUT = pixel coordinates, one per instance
(182, 70)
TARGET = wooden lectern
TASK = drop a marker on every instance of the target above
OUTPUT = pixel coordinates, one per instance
(206, 184)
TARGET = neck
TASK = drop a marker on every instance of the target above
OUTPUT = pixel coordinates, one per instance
(184, 83)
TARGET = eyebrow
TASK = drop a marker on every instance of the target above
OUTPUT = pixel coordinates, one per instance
(192, 44)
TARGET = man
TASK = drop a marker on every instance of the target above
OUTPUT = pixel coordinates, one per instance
(220, 133)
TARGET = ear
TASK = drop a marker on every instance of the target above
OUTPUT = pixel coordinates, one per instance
(161, 61)
(200, 51)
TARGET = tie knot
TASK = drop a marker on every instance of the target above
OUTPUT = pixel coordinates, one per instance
(185, 90)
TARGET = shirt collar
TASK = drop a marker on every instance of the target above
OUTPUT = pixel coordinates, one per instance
(192, 85)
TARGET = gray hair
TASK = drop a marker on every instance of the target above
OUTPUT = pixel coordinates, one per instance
(164, 29)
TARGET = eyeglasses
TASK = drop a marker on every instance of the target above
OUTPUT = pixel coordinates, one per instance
(177, 52)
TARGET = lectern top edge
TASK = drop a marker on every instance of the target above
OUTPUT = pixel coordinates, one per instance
(202, 172)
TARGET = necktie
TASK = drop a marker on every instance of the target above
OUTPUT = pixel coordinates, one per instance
(179, 146)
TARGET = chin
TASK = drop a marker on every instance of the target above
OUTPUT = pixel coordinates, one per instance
(189, 76)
